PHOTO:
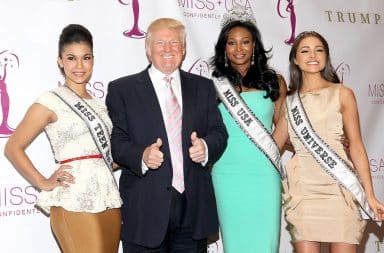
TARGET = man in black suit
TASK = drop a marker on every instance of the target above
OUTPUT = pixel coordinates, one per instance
(166, 187)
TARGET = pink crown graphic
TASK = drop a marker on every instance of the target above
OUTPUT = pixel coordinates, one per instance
(290, 9)
(135, 32)
(7, 60)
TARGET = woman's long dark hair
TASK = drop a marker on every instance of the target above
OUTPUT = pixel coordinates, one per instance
(295, 75)
(259, 76)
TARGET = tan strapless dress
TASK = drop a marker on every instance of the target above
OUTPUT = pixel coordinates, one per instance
(316, 207)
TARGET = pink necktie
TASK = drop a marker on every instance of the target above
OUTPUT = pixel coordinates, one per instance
(173, 126)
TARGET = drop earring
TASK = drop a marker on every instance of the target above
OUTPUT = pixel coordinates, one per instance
(225, 60)
(253, 57)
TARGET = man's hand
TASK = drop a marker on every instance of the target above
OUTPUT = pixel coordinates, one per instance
(152, 155)
(197, 151)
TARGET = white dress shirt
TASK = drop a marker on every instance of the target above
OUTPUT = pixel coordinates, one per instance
(162, 90)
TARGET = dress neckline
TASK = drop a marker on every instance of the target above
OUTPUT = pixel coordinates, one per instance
(317, 91)
(86, 99)
(251, 91)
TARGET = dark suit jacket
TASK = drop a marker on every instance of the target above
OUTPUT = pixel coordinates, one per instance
(137, 123)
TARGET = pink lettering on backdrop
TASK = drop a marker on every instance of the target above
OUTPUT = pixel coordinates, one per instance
(7, 60)
(95, 88)
(290, 9)
(135, 32)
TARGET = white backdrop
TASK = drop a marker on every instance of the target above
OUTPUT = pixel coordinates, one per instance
(29, 31)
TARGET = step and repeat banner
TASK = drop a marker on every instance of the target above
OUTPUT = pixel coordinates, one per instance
(29, 31)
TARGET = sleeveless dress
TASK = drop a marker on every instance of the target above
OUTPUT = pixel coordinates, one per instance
(247, 186)
(95, 188)
(316, 207)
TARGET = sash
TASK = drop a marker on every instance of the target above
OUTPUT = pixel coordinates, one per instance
(96, 126)
(329, 160)
(248, 122)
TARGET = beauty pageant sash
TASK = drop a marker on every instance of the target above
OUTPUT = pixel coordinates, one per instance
(329, 160)
(248, 122)
(97, 127)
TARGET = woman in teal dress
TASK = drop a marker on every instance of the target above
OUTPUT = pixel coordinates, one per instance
(247, 185)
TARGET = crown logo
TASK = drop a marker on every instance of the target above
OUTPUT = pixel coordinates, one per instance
(238, 13)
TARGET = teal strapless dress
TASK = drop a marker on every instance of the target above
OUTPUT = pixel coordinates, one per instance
(247, 186)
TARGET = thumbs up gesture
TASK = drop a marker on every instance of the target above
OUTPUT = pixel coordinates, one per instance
(152, 155)
(197, 151)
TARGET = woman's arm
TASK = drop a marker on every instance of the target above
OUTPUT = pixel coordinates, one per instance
(33, 123)
(358, 154)
(278, 113)
(279, 102)
(280, 132)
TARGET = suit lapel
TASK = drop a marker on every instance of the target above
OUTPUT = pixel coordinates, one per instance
(147, 93)
(188, 91)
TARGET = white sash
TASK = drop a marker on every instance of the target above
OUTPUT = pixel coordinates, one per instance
(97, 128)
(329, 160)
(248, 122)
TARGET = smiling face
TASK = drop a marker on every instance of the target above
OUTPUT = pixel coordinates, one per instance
(76, 59)
(239, 48)
(310, 55)
(166, 49)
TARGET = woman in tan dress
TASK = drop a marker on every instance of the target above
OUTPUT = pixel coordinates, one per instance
(317, 208)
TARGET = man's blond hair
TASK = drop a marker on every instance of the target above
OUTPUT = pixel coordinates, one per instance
(165, 23)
